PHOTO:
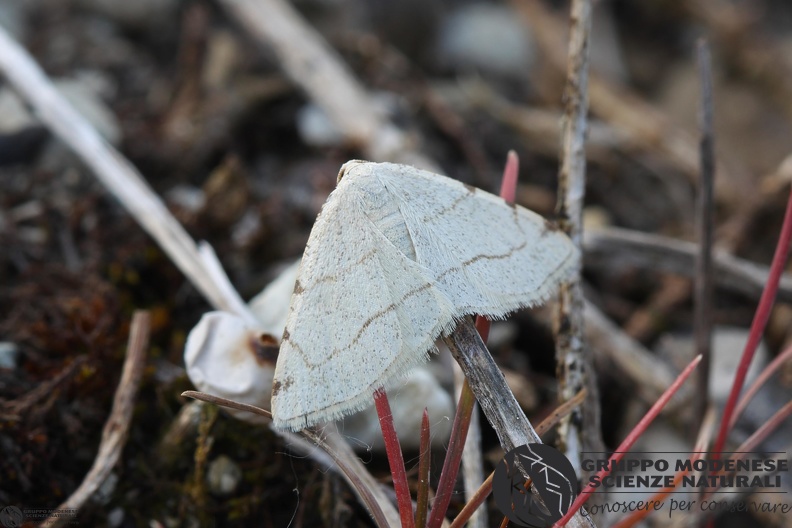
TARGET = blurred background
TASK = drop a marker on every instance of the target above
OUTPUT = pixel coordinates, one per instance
(245, 158)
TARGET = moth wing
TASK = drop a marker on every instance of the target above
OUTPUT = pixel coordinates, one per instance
(487, 256)
(352, 326)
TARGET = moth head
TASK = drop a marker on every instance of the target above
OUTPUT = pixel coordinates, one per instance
(348, 166)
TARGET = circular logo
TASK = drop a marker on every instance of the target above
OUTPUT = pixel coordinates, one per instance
(11, 517)
(552, 476)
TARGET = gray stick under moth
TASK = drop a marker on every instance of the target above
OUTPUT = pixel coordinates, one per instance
(493, 394)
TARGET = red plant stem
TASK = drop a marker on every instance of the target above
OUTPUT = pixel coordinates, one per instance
(475, 501)
(483, 327)
(395, 459)
(424, 461)
(448, 475)
(628, 442)
(769, 370)
(757, 327)
(509, 182)
(759, 436)
(702, 442)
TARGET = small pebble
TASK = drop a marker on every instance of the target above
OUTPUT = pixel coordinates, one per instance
(9, 354)
(488, 38)
(223, 476)
(316, 129)
(115, 517)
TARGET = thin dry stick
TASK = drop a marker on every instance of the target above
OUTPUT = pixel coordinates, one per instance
(574, 369)
(114, 434)
(490, 388)
(115, 172)
(756, 55)
(330, 442)
(497, 401)
(644, 324)
(702, 314)
(624, 247)
(472, 467)
(310, 62)
(650, 374)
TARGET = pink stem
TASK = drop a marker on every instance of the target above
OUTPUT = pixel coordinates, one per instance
(509, 183)
(450, 469)
(757, 327)
(628, 442)
(395, 460)
(782, 358)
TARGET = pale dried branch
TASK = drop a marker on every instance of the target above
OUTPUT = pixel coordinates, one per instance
(316, 68)
(115, 172)
(575, 371)
(116, 429)
(621, 248)
(650, 374)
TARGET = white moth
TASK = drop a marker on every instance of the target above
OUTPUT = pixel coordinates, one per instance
(396, 257)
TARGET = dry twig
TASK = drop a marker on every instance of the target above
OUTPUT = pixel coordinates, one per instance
(310, 62)
(114, 434)
(753, 53)
(624, 247)
(575, 370)
(650, 375)
(702, 315)
(118, 175)
(481, 494)
(14, 409)
(647, 320)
